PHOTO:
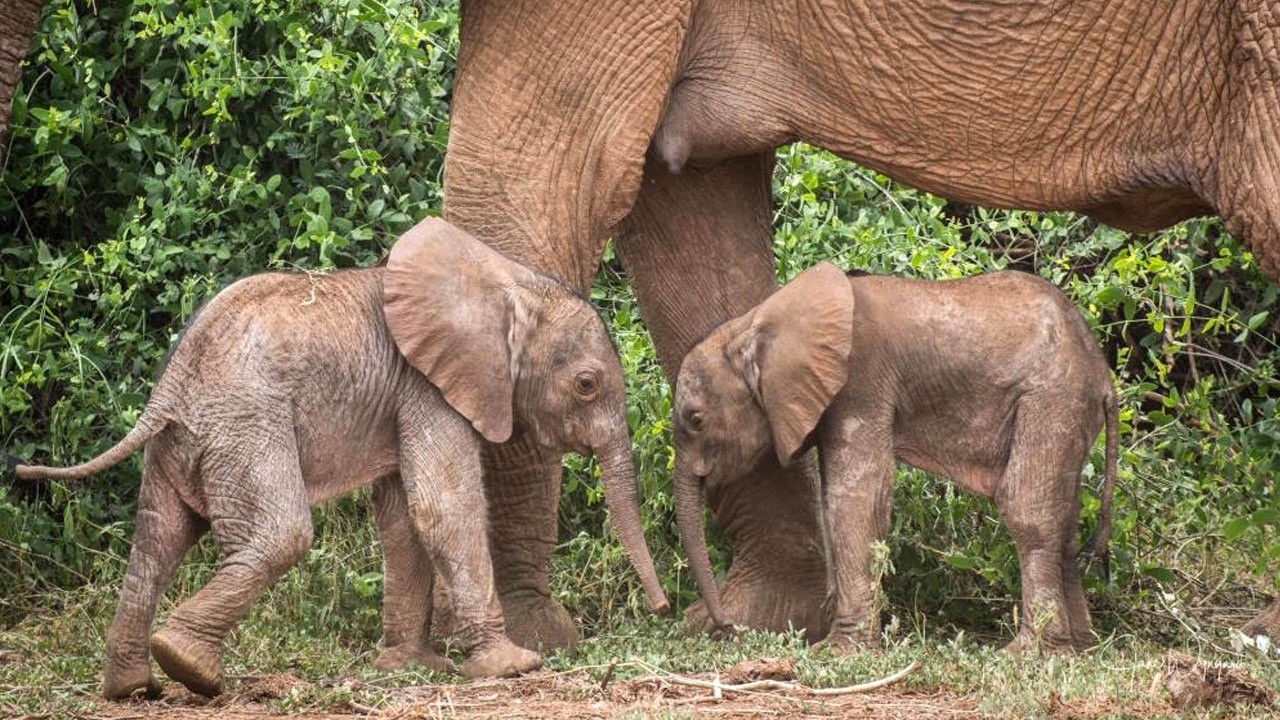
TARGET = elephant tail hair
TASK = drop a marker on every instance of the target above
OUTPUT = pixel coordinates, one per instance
(1099, 543)
(148, 427)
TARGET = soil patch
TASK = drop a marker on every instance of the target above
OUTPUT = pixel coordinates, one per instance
(576, 694)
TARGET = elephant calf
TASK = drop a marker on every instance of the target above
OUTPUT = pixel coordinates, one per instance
(288, 390)
(993, 381)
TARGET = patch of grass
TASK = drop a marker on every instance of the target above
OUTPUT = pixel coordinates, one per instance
(1118, 674)
(53, 661)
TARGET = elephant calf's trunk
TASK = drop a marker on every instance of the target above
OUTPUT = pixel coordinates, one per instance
(693, 537)
(619, 478)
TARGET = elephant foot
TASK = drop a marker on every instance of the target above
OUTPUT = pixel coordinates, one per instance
(197, 664)
(122, 683)
(850, 638)
(1264, 624)
(538, 622)
(775, 605)
(398, 657)
(1026, 644)
(500, 659)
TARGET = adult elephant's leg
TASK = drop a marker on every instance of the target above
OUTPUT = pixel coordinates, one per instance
(1248, 172)
(553, 106)
(697, 247)
(523, 489)
(17, 25)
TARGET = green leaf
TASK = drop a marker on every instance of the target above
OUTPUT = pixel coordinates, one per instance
(1266, 516)
(1235, 528)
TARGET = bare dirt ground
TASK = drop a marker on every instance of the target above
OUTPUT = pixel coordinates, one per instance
(551, 695)
(574, 694)
(763, 688)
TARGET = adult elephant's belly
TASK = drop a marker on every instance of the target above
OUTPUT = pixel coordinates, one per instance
(1040, 107)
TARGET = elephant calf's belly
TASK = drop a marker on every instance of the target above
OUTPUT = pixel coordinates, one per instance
(977, 475)
(335, 469)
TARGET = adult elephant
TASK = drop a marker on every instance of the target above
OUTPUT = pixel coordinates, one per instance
(655, 123)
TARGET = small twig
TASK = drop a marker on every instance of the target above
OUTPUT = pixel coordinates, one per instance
(873, 684)
(718, 687)
(608, 675)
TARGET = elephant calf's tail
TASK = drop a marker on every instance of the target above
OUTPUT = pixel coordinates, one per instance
(148, 427)
(1098, 544)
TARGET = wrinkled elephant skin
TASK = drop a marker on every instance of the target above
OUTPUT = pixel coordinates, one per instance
(654, 123)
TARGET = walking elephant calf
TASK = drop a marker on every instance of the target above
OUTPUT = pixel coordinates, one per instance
(993, 381)
(291, 389)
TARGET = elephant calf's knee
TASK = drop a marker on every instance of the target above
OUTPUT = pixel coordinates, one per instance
(290, 546)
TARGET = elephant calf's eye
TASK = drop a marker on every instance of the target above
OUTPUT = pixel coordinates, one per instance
(585, 384)
(694, 420)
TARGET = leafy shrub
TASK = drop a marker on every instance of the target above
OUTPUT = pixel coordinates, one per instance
(159, 150)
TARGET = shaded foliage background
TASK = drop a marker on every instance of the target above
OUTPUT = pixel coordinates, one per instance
(159, 150)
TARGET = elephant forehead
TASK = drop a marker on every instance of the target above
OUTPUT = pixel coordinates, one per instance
(689, 383)
(704, 379)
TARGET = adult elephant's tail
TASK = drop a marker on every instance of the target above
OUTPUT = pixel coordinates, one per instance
(148, 427)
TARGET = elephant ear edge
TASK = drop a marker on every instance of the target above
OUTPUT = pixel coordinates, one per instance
(795, 354)
(449, 305)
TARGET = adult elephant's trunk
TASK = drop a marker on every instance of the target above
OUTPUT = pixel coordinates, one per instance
(688, 498)
(618, 474)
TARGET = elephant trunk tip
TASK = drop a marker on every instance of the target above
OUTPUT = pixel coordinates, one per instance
(16, 465)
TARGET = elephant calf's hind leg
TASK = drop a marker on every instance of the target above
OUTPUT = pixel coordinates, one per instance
(263, 525)
(1039, 501)
(165, 529)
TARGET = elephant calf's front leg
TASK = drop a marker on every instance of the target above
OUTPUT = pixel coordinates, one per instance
(443, 486)
(407, 584)
(857, 494)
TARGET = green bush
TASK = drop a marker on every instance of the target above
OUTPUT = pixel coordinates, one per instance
(161, 149)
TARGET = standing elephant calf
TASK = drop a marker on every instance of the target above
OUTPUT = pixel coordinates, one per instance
(993, 381)
(291, 389)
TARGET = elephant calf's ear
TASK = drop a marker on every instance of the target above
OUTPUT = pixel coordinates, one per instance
(450, 306)
(795, 353)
